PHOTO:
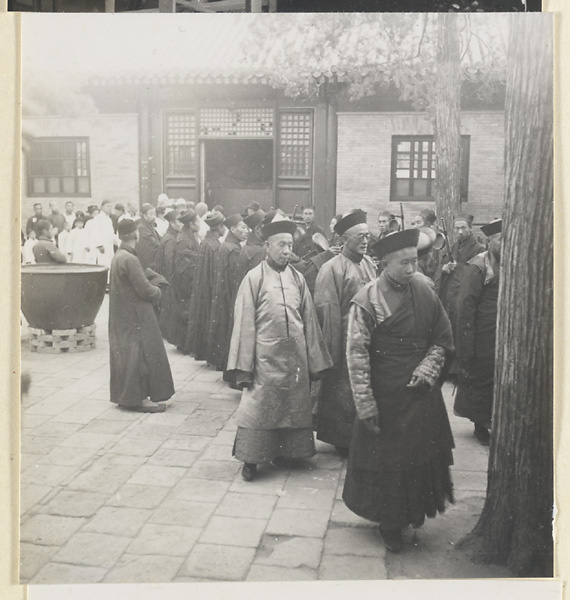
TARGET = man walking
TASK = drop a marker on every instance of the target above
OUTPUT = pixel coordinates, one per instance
(337, 282)
(140, 373)
(401, 448)
(276, 347)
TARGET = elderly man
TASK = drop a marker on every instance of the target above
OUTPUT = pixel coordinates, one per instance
(337, 282)
(476, 332)
(276, 347)
(200, 307)
(140, 373)
(401, 449)
(149, 240)
(44, 250)
(226, 283)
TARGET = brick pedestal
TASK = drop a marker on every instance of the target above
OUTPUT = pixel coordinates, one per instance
(62, 340)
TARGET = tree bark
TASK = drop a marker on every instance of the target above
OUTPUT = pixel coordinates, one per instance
(447, 119)
(515, 527)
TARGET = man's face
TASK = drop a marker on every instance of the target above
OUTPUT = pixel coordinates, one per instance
(308, 216)
(462, 230)
(383, 224)
(54, 208)
(240, 231)
(356, 239)
(279, 248)
(107, 208)
(150, 216)
(402, 264)
(418, 221)
(331, 226)
(37, 210)
(69, 207)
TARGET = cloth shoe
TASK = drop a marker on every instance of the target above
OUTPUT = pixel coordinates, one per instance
(392, 539)
(249, 471)
(482, 434)
(148, 406)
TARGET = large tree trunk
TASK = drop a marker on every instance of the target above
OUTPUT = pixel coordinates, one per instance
(447, 120)
(515, 527)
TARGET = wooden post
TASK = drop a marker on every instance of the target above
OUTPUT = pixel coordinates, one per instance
(144, 151)
(331, 155)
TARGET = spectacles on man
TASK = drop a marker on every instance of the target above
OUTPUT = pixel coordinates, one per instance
(361, 236)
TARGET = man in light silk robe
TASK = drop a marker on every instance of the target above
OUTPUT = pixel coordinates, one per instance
(337, 282)
(276, 347)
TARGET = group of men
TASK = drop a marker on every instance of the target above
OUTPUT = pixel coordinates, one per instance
(377, 333)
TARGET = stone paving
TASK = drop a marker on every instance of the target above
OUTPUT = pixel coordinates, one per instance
(113, 496)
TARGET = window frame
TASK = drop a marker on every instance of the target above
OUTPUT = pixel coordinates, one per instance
(464, 168)
(62, 194)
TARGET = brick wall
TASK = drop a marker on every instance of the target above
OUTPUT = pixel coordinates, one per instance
(114, 158)
(364, 161)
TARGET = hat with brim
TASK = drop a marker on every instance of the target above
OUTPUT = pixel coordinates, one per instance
(464, 217)
(233, 220)
(282, 226)
(214, 219)
(126, 227)
(354, 218)
(492, 228)
(426, 239)
(254, 219)
(396, 241)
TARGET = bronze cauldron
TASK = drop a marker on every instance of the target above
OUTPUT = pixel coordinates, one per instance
(62, 296)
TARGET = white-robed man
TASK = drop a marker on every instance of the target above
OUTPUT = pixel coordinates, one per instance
(102, 236)
(276, 347)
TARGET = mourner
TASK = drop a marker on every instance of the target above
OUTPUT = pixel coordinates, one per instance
(33, 220)
(385, 220)
(476, 332)
(44, 250)
(200, 308)
(398, 339)
(305, 244)
(253, 251)
(338, 281)
(276, 347)
(140, 373)
(149, 240)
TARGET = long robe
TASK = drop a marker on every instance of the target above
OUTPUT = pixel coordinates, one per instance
(101, 234)
(200, 307)
(185, 259)
(252, 254)
(337, 282)
(165, 266)
(400, 475)
(148, 243)
(276, 344)
(139, 364)
(226, 285)
(477, 328)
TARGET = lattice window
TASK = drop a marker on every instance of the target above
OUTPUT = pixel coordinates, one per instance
(238, 122)
(295, 144)
(59, 167)
(180, 144)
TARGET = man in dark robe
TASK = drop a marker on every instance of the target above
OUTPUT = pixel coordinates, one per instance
(44, 250)
(253, 252)
(226, 283)
(35, 218)
(140, 373)
(476, 332)
(337, 282)
(305, 245)
(200, 306)
(165, 266)
(149, 240)
(401, 449)
(452, 269)
(426, 263)
(276, 346)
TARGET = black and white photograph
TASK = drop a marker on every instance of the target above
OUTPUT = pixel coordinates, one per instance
(227, 223)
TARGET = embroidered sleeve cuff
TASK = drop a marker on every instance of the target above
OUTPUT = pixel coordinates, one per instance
(430, 368)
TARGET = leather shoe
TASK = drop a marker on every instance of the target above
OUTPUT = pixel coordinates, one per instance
(249, 471)
(392, 539)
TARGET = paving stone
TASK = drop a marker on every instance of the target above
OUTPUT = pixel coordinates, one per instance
(269, 481)
(358, 541)
(255, 506)
(53, 405)
(36, 444)
(165, 419)
(216, 452)
(225, 438)
(49, 530)
(341, 515)
(33, 558)
(168, 540)
(133, 568)
(68, 574)
(313, 478)
(102, 478)
(106, 426)
(183, 512)
(149, 431)
(183, 406)
(68, 457)
(31, 494)
(469, 480)
(228, 563)
(307, 498)
(157, 475)
(193, 443)
(233, 531)
(269, 573)
(47, 475)
(290, 521)
(118, 521)
(138, 496)
(28, 460)
(76, 416)
(93, 550)
(75, 504)
(204, 422)
(215, 469)
(115, 413)
(289, 552)
(136, 446)
(111, 460)
(352, 568)
(173, 458)
(29, 421)
(57, 429)
(201, 490)
(223, 404)
(89, 440)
